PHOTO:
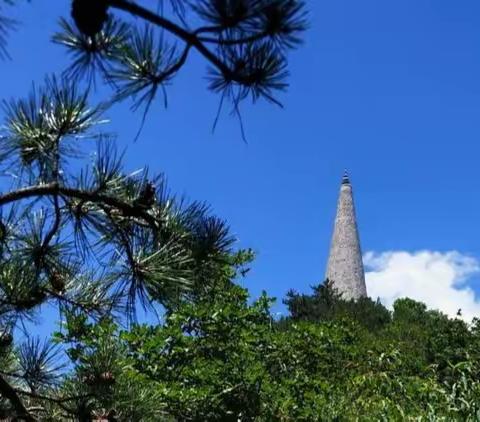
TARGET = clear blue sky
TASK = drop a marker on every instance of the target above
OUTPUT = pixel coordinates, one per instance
(388, 89)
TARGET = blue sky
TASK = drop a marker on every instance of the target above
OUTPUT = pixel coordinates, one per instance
(389, 90)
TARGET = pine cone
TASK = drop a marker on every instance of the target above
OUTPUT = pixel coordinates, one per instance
(6, 340)
(147, 196)
(107, 378)
(89, 15)
(57, 282)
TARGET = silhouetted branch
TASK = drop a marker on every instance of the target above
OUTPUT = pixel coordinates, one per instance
(190, 38)
(89, 196)
(59, 401)
(9, 392)
(56, 224)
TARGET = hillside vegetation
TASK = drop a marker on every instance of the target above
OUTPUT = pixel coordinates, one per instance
(220, 357)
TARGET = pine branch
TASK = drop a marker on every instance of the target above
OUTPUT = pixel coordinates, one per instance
(56, 224)
(244, 42)
(56, 175)
(57, 400)
(9, 392)
(239, 41)
(49, 189)
(190, 38)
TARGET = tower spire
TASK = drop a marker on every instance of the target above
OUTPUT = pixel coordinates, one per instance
(345, 267)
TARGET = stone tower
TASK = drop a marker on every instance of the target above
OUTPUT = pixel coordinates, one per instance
(345, 266)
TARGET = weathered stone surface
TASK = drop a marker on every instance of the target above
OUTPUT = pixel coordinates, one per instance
(345, 266)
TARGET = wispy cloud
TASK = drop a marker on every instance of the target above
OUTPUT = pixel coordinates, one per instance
(440, 280)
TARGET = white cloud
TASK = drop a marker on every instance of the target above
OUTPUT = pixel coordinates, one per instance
(440, 280)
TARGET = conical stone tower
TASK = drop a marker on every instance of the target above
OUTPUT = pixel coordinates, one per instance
(345, 267)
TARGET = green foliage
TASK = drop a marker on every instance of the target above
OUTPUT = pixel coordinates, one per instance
(97, 244)
(326, 304)
(223, 358)
(218, 370)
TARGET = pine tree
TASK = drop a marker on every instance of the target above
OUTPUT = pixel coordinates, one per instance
(98, 243)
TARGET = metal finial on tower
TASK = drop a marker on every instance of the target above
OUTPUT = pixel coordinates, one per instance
(345, 178)
(345, 267)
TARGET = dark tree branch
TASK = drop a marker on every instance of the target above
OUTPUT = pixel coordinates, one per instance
(88, 196)
(190, 38)
(88, 309)
(9, 392)
(55, 226)
(176, 67)
(56, 175)
(59, 401)
(223, 41)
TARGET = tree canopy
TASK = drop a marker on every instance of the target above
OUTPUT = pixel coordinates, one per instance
(224, 358)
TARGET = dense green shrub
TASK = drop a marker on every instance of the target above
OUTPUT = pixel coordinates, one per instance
(222, 358)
